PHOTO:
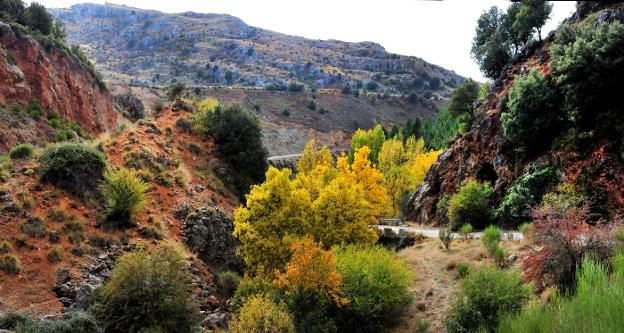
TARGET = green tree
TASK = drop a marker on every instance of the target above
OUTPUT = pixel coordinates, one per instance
(531, 16)
(39, 19)
(238, 137)
(490, 46)
(373, 138)
(531, 109)
(462, 101)
(516, 38)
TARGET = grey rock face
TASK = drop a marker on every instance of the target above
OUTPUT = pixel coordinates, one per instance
(208, 232)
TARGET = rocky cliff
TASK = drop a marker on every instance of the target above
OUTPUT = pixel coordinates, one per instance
(30, 71)
(486, 155)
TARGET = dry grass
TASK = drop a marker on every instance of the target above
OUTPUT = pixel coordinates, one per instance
(437, 280)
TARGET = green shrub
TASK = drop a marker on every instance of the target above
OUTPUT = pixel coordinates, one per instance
(376, 282)
(238, 137)
(125, 195)
(73, 322)
(10, 264)
(485, 295)
(462, 101)
(52, 115)
(34, 227)
(176, 90)
(295, 87)
(491, 241)
(446, 237)
(587, 65)
(149, 291)
(75, 229)
(531, 110)
(525, 193)
(73, 167)
(55, 255)
(312, 105)
(260, 314)
(5, 247)
(56, 123)
(34, 110)
(463, 269)
(21, 151)
(249, 287)
(465, 230)
(471, 204)
(64, 135)
(524, 228)
(595, 308)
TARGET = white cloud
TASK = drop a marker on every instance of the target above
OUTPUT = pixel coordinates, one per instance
(438, 31)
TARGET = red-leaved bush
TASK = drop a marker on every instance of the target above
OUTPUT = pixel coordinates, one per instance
(563, 238)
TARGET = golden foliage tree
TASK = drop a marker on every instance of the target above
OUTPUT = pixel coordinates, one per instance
(331, 204)
(311, 268)
(313, 157)
(404, 166)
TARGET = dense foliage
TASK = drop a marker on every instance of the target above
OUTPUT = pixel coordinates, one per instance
(22, 151)
(471, 204)
(73, 167)
(531, 110)
(333, 204)
(375, 283)
(238, 137)
(486, 294)
(72, 322)
(500, 36)
(587, 65)
(526, 192)
(596, 307)
(148, 291)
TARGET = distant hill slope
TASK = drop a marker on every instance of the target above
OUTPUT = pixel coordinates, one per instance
(133, 45)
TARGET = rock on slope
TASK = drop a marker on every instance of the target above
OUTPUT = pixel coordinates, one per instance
(29, 71)
(484, 153)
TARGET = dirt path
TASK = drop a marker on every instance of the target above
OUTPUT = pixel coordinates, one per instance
(437, 280)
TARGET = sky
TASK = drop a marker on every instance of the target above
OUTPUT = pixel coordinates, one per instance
(440, 32)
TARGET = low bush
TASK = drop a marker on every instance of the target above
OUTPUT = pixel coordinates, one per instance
(491, 241)
(73, 322)
(22, 151)
(148, 291)
(74, 167)
(465, 230)
(176, 90)
(34, 110)
(249, 287)
(55, 255)
(564, 239)
(375, 282)
(64, 135)
(5, 247)
(485, 295)
(442, 210)
(10, 264)
(260, 314)
(471, 204)
(125, 195)
(446, 237)
(463, 270)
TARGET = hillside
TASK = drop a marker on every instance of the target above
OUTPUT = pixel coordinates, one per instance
(589, 154)
(211, 49)
(287, 121)
(37, 81)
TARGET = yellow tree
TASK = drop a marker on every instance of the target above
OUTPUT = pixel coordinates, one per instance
(276, 215)
(314, 156)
